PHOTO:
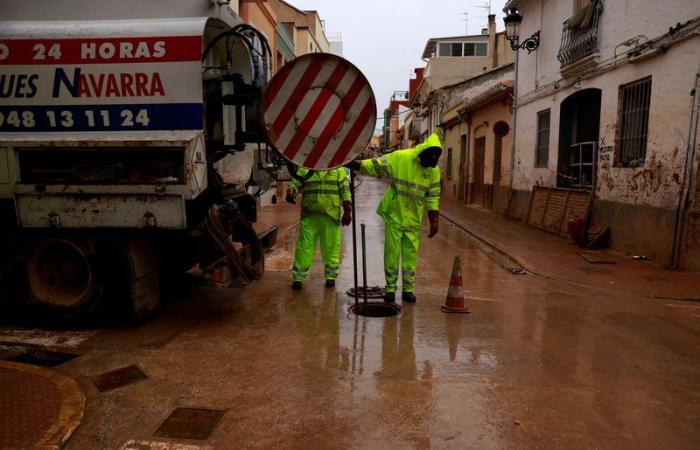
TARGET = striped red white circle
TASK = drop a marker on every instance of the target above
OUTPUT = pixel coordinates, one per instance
(319, 111)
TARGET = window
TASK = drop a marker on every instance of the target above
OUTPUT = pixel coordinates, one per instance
(460, 49)
(444, 49)
(475, 49)
(542, 148)
(633, 122)
(449, 163)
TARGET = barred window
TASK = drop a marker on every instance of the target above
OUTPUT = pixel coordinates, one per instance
(633, 122)
(542, 148)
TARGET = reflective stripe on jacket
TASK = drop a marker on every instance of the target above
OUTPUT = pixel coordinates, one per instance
(413, 189)
(323, 192)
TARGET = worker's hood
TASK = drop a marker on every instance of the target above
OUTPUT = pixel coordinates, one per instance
(429, 151)
(432, 141)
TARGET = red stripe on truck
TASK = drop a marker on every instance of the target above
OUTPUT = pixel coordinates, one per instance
(116, 50)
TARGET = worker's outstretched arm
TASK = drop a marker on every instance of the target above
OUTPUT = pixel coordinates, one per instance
(374, 167)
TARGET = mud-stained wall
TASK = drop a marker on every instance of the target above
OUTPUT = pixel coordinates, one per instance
(638, 203)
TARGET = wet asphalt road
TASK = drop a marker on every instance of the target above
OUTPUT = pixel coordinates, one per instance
(537, 364)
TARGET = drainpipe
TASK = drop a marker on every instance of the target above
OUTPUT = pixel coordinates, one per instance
(684, 200)
(515, 123)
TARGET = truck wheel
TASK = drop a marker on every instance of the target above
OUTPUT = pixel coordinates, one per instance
(64, 277)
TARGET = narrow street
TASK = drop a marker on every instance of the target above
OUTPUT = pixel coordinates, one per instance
(537, 364)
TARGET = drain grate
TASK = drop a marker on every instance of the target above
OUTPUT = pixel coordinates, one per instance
(43, 358)
(190, 423)
(118, 378)
(375, 309)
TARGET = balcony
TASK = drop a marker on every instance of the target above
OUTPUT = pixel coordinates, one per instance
(579, 39)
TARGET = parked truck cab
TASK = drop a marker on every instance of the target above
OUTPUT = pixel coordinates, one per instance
(127, 139)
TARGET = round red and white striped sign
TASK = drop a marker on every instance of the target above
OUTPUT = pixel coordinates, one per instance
(319, 111)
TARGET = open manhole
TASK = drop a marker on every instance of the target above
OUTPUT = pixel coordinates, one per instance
(375, 309)
(190, 423)
(118, 378)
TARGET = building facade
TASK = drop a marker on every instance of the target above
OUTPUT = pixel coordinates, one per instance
(477, 139)
(608, 103)
(304, 27)
(452, 60)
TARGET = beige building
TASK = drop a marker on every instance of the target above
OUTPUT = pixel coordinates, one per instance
(477, 139)
(304, 27)
(452, 60)
(608, 104)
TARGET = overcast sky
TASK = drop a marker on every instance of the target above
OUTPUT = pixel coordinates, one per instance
(385, 38)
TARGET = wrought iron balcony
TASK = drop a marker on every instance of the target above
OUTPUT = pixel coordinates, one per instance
(579, 38)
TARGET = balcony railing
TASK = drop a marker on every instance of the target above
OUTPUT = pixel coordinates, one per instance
(579, 40)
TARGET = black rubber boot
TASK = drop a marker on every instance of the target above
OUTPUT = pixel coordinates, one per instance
(296, 286)
(408, 297)
(389, 297)
(330, 283)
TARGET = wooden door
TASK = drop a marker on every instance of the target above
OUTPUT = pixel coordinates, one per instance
(463, 165)
(479, 158)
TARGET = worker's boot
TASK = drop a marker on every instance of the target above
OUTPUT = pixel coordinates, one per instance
(408, 297)
(296, 286)
(330, 283)
(389, 297)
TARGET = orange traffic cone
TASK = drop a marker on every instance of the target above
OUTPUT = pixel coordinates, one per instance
(455, 296)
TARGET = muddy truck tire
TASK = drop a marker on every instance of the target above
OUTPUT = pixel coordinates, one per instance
(61, 277)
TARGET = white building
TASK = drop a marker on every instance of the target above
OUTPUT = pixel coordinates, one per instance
(608, 103)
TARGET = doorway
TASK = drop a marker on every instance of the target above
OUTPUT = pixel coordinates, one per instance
(463, 167)
(479, 159)
(579, 128)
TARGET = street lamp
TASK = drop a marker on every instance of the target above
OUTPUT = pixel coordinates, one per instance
(512, 21)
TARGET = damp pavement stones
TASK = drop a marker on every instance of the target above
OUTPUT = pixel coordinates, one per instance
(542, 361)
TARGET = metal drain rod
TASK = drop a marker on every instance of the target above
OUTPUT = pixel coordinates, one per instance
(364, 268)
(354, 230)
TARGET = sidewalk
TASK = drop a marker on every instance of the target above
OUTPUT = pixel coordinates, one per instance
(551, 256)
(39, 408)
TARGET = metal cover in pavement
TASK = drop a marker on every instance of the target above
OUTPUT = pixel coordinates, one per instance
(43, 358)
(118, 378)
(319, 111)
(190, 423)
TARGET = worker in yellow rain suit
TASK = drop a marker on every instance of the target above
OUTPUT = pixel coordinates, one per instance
(323, 194)
(415, 186)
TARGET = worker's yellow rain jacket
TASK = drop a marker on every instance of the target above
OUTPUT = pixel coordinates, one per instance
(414, 188)
(323, 193)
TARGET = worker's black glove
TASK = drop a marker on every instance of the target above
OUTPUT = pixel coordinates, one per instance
(433, 217)
(353, 165)
(291, 196)
(347, 214)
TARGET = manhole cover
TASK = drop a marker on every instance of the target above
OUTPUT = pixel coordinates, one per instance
(372, 292)
(190, 423)
(118, 378)
(375, 309)
(43, 358)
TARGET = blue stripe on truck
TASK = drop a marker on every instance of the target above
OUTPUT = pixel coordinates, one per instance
(132, 117)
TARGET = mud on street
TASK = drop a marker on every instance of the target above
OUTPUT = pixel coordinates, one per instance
(537, 363)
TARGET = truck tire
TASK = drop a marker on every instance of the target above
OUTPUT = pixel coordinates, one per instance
(62, 277)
